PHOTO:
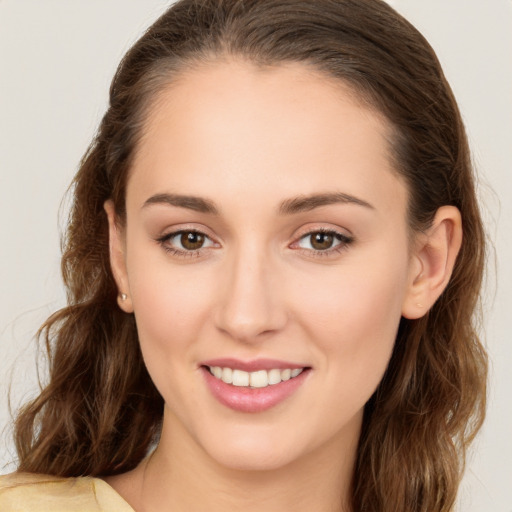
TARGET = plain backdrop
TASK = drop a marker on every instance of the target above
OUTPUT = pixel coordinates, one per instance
(56, 61)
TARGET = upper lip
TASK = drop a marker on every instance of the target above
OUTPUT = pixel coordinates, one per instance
(252, 366)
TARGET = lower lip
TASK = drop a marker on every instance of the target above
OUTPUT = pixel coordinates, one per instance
(245, 399)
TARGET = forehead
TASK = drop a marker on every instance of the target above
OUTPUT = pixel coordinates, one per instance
(288, 129)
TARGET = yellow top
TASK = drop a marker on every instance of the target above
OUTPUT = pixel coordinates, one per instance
(28, 492)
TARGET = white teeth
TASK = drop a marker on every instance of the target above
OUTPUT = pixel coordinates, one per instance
(274, 376)
(286, 374)
(240, 378)
(258, 379)
(227, 375)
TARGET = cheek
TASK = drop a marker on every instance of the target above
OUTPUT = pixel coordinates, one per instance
(356, 296)
(170, 309)
(170, 303)
(354, 312)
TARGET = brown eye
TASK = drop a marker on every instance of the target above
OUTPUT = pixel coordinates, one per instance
(183, 242)
(191, 240)
(321, 241)
(326, 241)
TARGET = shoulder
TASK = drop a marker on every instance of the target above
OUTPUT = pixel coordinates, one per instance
(28, 492)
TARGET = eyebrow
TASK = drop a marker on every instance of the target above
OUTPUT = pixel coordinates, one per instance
(197, 204)
(307, 203)
(288, 207)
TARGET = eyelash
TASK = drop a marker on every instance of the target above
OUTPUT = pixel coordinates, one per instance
(344, 240)
(163, 241)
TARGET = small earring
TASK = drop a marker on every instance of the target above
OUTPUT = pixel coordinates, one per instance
(124, 296)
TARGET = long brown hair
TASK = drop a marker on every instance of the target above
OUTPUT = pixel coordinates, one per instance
(100, 413)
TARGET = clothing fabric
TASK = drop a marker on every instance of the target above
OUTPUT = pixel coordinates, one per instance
(28, 492)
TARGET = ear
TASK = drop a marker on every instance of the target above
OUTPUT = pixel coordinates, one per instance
(432, 262)
(117, 258)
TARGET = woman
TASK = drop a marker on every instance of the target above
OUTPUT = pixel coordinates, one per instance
(270, 293)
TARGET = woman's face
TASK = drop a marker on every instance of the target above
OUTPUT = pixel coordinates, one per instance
(266, 232)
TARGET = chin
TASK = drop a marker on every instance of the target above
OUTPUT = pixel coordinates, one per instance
(239, 462)
(256, 455)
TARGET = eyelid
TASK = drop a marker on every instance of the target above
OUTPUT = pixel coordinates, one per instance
(311, 228)
(175, 234)
(344, 239)
(163, 241)
(185, 228)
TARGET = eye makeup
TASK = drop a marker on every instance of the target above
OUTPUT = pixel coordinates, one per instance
(319, 242)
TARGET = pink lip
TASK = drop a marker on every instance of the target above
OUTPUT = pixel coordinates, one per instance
(252, 366)
(245, 399)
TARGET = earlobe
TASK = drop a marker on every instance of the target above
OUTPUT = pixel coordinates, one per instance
(433, 262)
(117, 258)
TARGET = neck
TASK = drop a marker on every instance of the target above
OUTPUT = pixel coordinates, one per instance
(180, 476)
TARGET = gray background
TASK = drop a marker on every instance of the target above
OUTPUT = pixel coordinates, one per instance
(56, 61)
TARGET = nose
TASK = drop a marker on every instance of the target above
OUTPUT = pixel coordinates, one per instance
(250, 306)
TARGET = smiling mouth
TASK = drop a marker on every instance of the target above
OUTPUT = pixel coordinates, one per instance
(258, 379)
